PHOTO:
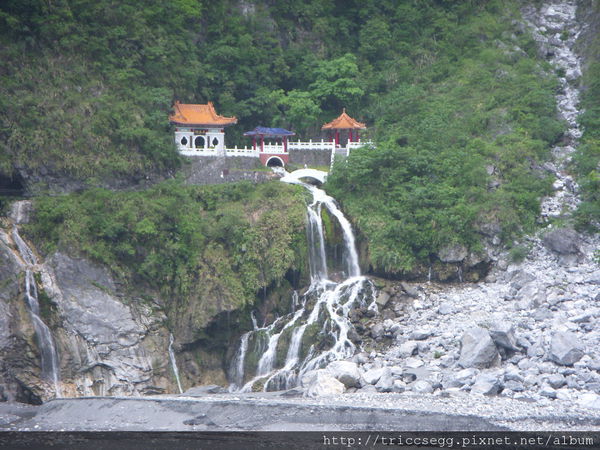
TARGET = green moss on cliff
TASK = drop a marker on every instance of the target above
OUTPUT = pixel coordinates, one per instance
(460, 135)
(204, 249)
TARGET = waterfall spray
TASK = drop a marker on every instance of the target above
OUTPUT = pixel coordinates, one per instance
(174, 362)
(47, 347)
(323, 310)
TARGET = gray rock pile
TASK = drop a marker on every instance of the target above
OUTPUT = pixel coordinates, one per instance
(527, 333)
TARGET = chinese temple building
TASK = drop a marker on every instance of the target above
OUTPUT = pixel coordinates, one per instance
(271, 154)
(344, 123)
(199, 128)
(200, 131)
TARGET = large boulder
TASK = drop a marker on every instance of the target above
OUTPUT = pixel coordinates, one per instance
(372, 376)
(385, 382)
(459, 379)
(377, 331)
(565, 348)
(452, 253)
(346, 372)
(199, 391)
(563, 241)
(486, 384)
(590, 400)
(422, 387)
(503, 335)
(477, 349)
(382, 299)
(323, 383)
(106, 350)
(407, 349)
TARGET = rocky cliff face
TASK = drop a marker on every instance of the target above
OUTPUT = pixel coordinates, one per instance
(107, 343)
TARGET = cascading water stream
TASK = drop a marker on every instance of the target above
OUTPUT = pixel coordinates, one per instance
(174, 363)
(293, 344)
(47, 347)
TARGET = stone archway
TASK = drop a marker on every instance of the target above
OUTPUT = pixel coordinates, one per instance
(275, 161)
(199, 142)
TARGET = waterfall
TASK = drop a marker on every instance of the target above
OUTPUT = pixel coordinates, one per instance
(316, 243)
(321, 198)
(294, 301)
(174, 362)
(237, 368)
(253, 318)
(317, 330)
(46, 345)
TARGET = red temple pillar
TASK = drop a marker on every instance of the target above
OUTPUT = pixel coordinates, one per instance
(357, 136)
(351, 136)
(285, 144)
(254, 142)
(262, 143)
(337, 138)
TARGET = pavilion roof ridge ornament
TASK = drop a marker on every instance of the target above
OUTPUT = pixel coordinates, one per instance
(344, 122)
(199, 114)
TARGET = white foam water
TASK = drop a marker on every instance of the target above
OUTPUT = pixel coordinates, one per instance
(47, 347)
(326, 305)
(174, 363)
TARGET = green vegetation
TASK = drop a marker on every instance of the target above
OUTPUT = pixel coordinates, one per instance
(85, 86)
(224, 243)
(450, 90)
(587, 156)
(459, 134)
(518, 253)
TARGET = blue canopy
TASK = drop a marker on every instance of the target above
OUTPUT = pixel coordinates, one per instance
(269, 132)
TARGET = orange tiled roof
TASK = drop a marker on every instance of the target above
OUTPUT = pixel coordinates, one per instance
(187, 114)
(344, 122)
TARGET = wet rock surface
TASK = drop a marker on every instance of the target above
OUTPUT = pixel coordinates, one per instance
(103, 345)
(103, 342)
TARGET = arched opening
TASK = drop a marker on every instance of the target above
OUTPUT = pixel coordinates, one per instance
(199, 142)
(311, 180)
(184, 141)
(275, 161)
(11, 185)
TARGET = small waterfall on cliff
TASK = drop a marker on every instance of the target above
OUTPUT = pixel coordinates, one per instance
(318, 329)
(174, 363)
(47, 347)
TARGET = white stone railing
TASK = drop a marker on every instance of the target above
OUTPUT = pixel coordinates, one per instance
(271, 148)
(246, 151)
(200, 151)
(353, 145)
(310, 145)
(275, 148)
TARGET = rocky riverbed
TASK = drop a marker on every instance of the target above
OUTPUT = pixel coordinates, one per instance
(199, 410)
(525, 333)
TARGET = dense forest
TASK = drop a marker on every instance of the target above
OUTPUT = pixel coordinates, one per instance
(460, 106)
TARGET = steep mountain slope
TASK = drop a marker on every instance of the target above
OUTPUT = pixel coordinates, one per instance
(458, 99)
